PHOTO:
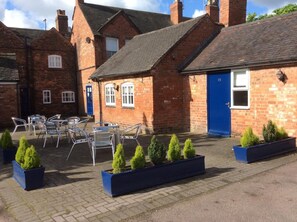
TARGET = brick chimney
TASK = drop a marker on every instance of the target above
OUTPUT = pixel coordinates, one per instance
(212, 8)
(232, 12)
(176, 12)
(62, 22)
(79, 1)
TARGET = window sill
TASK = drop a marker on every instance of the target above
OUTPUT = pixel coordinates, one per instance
(110, 106)
(128, 107)
(240, 108)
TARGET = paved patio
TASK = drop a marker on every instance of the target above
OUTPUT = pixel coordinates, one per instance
(73, 190)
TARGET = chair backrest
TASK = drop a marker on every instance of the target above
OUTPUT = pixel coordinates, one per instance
(77, 134)
(73, 121)
(135, 130)
(57, 116)
(18, 121)
(102, 138)
(83, 123)
(51, 128)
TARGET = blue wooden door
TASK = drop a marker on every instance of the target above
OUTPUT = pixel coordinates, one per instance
(218, 102)
(90, 109)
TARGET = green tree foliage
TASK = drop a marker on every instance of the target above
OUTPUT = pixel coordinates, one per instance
(6, 141)
(20, 154)
(270, 132)
(156, 151)
(138, 160)
(280, 11)
(189, 151)
(174, 151)
(281, 134)
(31, 159)
(119, 161)
(249, 138)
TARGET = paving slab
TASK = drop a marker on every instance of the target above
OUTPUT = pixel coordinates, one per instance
(73, 189)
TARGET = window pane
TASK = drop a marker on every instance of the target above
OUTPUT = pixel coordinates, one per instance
(240, 79)
(112, 44)
(240, 98)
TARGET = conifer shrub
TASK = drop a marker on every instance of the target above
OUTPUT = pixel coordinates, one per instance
(189, 151)
(174, 151)
(31, 159)
(281, 134)
(138, 160)
(20, 154)
(270, 132)
(119, 162)
(6, 141)
(156, 151)
(249, 138)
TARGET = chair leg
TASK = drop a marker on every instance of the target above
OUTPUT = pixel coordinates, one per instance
(58, 140)
(70, 151)
(44, 140)
(15, 128)
(94, 155)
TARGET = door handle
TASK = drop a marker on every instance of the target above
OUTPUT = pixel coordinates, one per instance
(227, 104)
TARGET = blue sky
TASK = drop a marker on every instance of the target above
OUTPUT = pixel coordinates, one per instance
(31, 13)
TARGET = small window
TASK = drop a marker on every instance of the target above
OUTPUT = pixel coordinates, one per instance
(128, 95)
(112, 46)
(47, 98)
(240, 89)
(54, 61)
(109, 95)
(68, 97)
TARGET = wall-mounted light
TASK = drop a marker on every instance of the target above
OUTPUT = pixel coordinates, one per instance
(281, 76)
(116, 87)
(89, 40)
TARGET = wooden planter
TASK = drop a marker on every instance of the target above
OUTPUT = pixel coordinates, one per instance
(9, 155)
(263, 151)
(28, 179)
(133, 180)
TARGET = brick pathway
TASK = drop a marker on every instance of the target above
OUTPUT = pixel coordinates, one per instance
(73, 190)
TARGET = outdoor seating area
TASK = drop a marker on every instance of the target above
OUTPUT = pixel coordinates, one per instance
(78, 131)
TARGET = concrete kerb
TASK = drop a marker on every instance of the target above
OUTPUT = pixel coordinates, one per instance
(73, 190)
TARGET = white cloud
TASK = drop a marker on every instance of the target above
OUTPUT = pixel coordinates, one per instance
(198, 13)
(16, 18)
(2, 9)
(273, 4)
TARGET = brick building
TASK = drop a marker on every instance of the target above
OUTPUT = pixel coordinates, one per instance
(41, 66)
(202, 76)
(98, 32)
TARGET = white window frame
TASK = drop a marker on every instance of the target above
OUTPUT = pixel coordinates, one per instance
(246, 87)
(68, 94)
(110, 99)
(55, 61)
(46, 97)
(126, 97)
(110, 52)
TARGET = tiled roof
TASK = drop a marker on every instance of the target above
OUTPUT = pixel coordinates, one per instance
(264, 42)
(144, 51)
(31, 34)
(8, 67)
(98, 15)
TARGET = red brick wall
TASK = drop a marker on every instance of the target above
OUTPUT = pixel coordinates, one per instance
(143, 110)
(54, 79)
(270, 99)
(169, 110)
(92, 55)
(9, 104)
(232, 12)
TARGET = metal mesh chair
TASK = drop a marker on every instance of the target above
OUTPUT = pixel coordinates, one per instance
(19, 123)
(131, 133)
(51, 130)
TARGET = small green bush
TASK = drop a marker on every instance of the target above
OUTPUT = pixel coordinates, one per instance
(31, 159)
(281, 134)
(20, 154)
(270, 132)
(156, 151)
(174, 151)
(6, 141)
(249, 138)
(189, 151)
(119, 162)
(138, 160)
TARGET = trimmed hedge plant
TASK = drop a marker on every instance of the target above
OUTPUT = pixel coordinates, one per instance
(6, 141)
(156, 151)
(174, 151)
(20, 154)
(31, 159)
(119, 162)
(189, 151)
(138, 160)
(249, 138)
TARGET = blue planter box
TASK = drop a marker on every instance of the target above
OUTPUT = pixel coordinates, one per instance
(28, 179)
(133, 180)
(9, 155)
(263, 151)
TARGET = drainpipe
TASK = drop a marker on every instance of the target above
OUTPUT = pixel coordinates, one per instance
(100, 101)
